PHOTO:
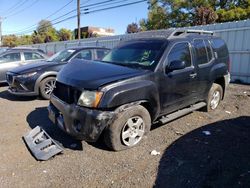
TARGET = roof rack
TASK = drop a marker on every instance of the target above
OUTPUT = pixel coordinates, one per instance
(179, 32)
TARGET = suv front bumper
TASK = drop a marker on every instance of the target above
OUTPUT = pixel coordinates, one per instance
(81, 123)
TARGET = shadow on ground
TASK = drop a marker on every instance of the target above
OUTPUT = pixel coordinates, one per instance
(39, 117)
(197, 159)
(6, 95)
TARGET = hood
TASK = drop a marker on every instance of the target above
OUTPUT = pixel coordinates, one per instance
(93, 74)
(36, 66)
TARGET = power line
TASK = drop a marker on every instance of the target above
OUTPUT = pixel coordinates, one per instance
(16, 6)
(34, 25)
(68, 13)
(118, 6)
(86, 12)
(36, 1)
(59, 10)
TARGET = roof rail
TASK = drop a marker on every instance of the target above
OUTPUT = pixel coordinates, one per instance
(179, 32)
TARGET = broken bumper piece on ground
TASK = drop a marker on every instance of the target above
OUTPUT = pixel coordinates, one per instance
(41, 145)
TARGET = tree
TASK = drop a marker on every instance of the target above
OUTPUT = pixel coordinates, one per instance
(10, 40)
(157, 17)
(193, 12)
(43, 27)
(64, 34)
(51, 35)
(24, 40)
(36, 38)
(205, 15)
(133, 28)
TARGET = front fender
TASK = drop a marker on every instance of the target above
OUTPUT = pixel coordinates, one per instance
(41, 77)
(131, 92)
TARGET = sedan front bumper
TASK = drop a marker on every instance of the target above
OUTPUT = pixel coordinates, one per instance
(20, 87)
(81, 123)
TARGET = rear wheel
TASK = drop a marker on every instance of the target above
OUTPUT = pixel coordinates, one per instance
(214, 97)
(46, 87)
(128, 128)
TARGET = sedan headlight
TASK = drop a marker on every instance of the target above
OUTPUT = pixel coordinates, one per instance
(89, 98)
(27, 75)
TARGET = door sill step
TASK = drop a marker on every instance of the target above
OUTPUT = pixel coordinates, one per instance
(182, 112)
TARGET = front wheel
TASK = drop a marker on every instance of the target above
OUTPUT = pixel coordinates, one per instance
(128, 128)
(214, 97)
(46, 87)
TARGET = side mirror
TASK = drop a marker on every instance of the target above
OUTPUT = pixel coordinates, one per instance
(176, 65)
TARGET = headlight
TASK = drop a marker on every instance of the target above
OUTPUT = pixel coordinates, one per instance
(27, 75)
(89, 98)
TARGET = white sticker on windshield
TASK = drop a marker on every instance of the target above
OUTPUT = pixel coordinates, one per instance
(71, 51)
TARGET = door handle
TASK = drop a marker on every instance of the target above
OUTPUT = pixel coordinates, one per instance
(193, 75)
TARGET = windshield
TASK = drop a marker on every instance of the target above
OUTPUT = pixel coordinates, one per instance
(61, 56)
(144, 54)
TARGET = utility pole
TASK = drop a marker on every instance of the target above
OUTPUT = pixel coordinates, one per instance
(78, 20)
(0, 31)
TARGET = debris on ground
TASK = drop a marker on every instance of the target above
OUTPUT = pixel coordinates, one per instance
(41, 145)
(154, 153)
(228, 112)
(178, 133)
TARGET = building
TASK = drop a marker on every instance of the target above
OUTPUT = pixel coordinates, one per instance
(88, 32)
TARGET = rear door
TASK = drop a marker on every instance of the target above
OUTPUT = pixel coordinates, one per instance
(100, 53)
(8, 62)
(85, 54)
(177, 88)
(204, 59)
(30, 57)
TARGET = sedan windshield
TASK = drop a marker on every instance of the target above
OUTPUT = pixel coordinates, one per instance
(142, 54)
(61, 56)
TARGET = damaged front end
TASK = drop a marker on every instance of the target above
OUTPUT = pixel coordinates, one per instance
(80, 122)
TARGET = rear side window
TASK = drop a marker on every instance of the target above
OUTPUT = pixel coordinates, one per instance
(32, 56)
(84, 54)
(10, 57)
(180, 52)
(220, 47)
(101, 53)
(200, 51)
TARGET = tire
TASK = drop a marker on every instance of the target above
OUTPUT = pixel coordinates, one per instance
(46, 87)
(128, 129)
(214, 97)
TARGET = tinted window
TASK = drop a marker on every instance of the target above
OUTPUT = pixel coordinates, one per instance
(220, 47)
(84, 54)
(32, 56)
(209, 50)
(10, 57)
(180, 52)
(142, 54)
(101, 53)
(201, 51)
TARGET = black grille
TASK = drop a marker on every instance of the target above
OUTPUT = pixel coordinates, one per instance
(66, 93)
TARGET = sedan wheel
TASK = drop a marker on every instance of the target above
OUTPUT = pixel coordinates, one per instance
(46, 87)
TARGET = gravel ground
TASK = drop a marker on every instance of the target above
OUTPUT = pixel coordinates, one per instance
(198, 150)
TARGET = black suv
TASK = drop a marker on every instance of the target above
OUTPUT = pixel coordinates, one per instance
(138, 83)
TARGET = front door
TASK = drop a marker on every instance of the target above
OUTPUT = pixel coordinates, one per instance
(178, 87)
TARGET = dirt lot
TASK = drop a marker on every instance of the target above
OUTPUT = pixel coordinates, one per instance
(189, 157)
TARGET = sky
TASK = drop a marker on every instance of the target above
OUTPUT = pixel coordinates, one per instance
(20, 16)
